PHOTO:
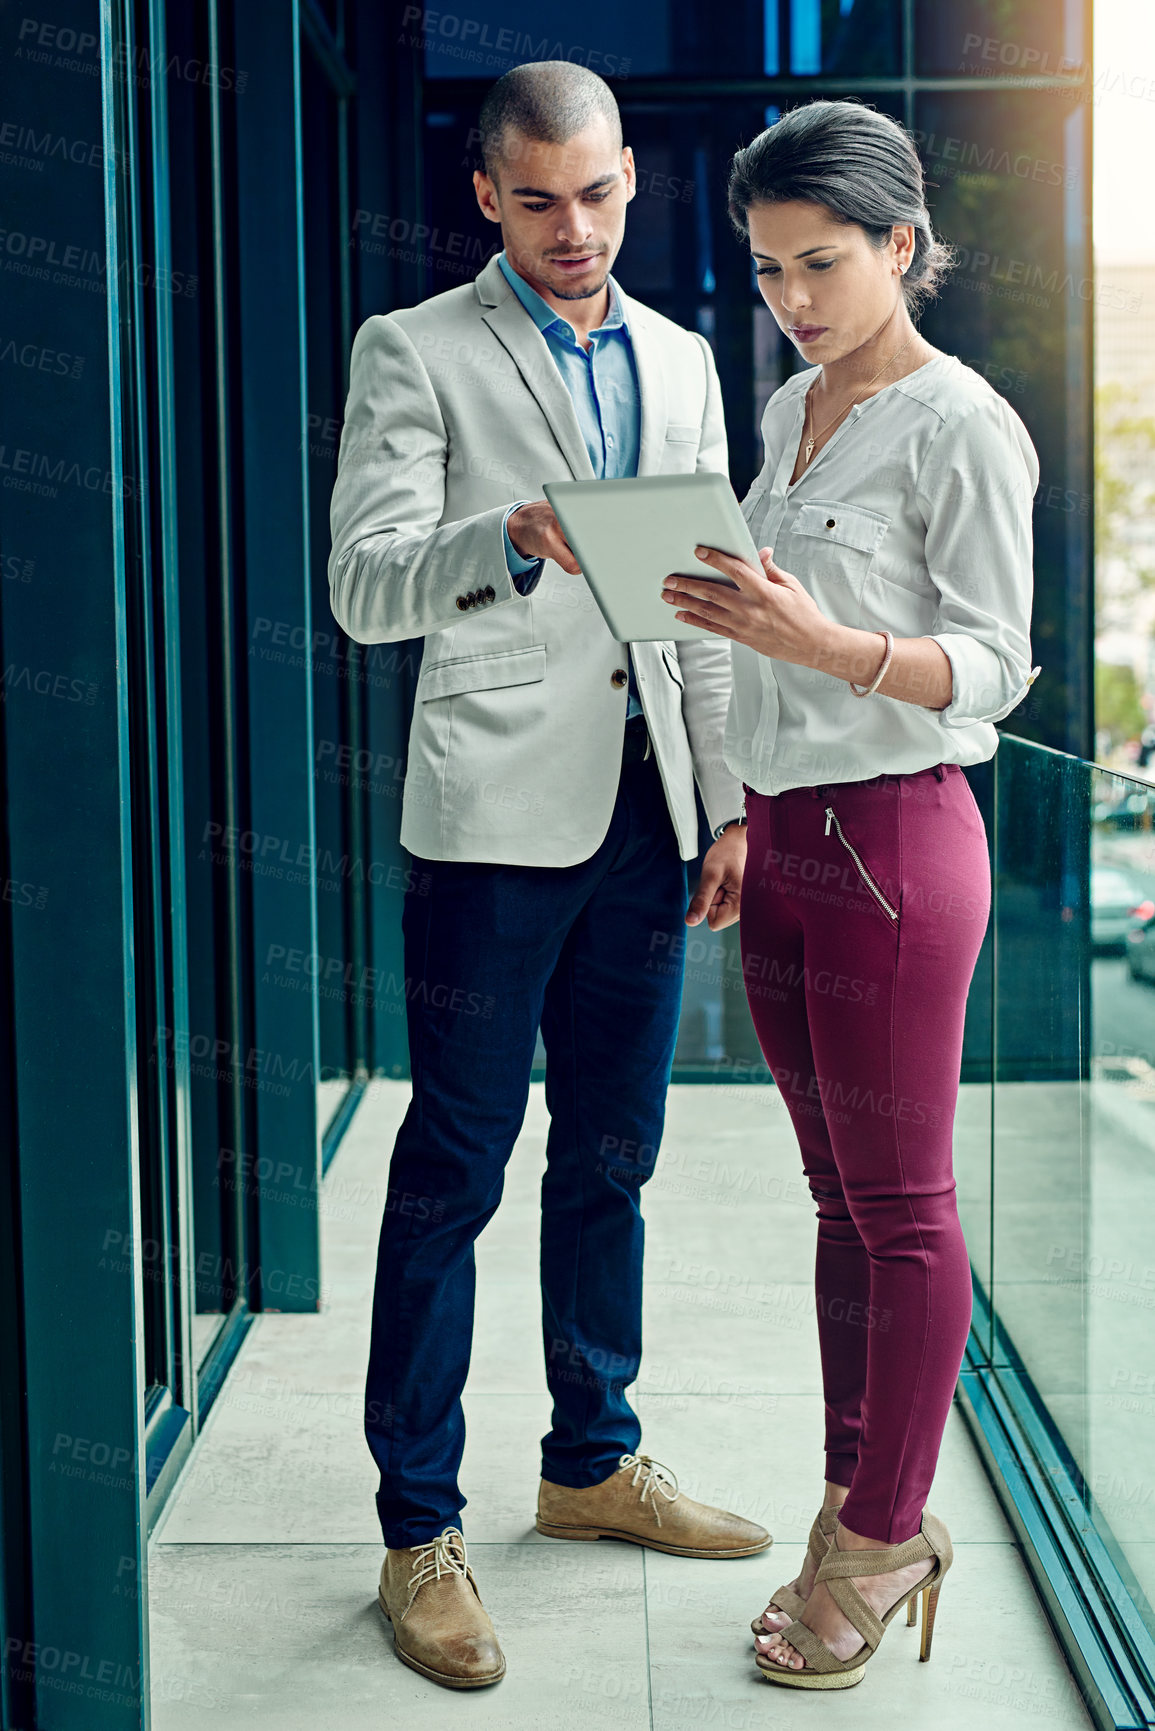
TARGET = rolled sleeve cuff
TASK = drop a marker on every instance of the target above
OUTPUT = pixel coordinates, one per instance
(986, 686)
(723, 794)
(523, 573)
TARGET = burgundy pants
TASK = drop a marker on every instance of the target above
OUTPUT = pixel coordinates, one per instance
(863, 908)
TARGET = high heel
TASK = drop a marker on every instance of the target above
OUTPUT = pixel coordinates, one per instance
(818, 1542)
(929, 1612)
(837, 1571)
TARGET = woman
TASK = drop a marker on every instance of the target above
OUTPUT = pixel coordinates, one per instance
(884, 634)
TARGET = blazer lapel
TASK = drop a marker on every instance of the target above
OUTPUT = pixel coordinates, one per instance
(651, 386)
(520, 337)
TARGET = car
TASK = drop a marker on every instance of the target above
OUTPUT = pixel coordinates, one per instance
(1122, 810)
(1117, 902)
(1139, 945)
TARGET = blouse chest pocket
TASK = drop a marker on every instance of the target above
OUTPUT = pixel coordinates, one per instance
(837, 543)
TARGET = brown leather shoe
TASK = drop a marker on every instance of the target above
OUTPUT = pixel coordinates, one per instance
(641, 1502)
(440, 1626)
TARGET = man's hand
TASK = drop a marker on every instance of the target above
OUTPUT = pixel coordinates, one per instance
(536, 533)
(718, 896)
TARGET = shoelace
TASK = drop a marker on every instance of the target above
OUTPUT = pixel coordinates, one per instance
(655, 1479)
(444, 1555)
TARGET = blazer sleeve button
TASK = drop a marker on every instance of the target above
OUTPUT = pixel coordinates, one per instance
(490, 592)
(462, 603)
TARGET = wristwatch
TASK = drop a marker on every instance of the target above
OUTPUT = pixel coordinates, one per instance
(740, 821)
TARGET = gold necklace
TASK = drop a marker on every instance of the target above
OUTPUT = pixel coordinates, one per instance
(814, 437)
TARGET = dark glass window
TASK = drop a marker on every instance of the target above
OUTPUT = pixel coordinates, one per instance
(853, 38)
(1005, 171)
(973, 39)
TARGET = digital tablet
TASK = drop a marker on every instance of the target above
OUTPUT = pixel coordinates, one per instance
(627, 536)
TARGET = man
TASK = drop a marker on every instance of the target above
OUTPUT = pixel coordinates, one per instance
(549, 801)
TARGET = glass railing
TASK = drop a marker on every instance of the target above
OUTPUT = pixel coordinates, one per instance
(1055, 1155)
(1055, 1159)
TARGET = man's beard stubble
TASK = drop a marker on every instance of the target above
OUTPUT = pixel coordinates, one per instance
(580, 294)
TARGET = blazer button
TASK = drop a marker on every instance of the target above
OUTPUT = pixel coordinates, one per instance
(830, 522)
(462, 603)
(619, 677)
(490, 592)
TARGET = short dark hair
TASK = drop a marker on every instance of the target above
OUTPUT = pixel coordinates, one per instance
(549, 101)
(858, 164)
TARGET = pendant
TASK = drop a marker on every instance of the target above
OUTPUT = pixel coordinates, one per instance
(809, 450)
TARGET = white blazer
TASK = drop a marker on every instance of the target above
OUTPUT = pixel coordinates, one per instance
(456, 410)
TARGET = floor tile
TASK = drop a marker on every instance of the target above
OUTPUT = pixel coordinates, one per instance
(280, 1464)
(766, 1335)
(263, 1570)
(994, 1661)
(291, 1638)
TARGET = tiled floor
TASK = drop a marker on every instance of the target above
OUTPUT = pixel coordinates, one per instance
(263, 1573)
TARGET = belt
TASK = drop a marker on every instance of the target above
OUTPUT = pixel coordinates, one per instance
(636, 746)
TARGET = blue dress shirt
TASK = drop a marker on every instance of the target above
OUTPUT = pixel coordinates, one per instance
(603, 385)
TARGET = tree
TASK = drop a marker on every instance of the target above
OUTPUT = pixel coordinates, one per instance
(1118, 709)
(1124, 495)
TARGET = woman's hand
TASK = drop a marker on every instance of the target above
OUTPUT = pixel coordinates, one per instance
(769, 611)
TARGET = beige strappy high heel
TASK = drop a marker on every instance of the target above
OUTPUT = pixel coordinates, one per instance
(817, 1543)
(838, 1571)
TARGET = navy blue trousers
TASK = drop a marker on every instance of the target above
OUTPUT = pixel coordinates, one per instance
(492, 952)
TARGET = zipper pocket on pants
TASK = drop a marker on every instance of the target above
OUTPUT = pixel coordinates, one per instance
(891, 913)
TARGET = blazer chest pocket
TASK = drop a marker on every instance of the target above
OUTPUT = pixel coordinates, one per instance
(840, 540)
(464, 673)
(679, 449)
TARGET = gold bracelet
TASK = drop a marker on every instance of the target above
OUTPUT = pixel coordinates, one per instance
(869, 690)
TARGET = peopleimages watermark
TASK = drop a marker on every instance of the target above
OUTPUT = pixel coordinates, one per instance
(228, 1060)
(1028, 278)
(26, 147)
(62, 1668)
(377, 985)
(954, 155)
(1021, 57)
(46, 44)
(44, 473)
(15, 569)
(281, 856)
(43, 682)
(472, 40)
(72, 264)
(997, 56)
(37, 358)
(380, 234)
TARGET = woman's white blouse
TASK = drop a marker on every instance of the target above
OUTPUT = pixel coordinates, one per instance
(915, 518)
